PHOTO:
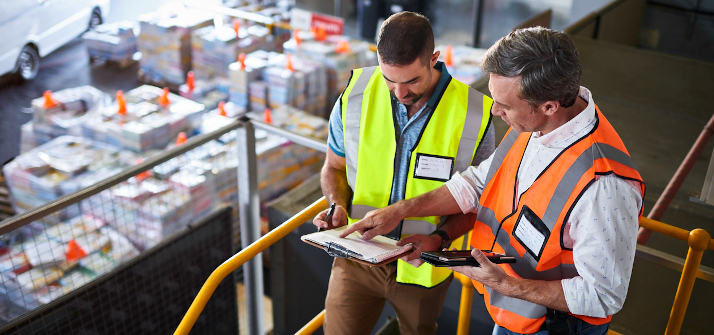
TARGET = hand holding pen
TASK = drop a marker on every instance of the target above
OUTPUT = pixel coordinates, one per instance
(334, 217)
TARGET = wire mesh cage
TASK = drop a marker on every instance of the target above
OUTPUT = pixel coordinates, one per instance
(120, 207)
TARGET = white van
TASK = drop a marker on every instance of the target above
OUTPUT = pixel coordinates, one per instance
(30, 29)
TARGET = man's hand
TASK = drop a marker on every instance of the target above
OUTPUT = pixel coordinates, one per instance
(488, 273)
(339, 218)
(377, 222)
(420, 243)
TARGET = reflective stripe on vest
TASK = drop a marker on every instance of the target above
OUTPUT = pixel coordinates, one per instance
(562, 183)
(454, 130)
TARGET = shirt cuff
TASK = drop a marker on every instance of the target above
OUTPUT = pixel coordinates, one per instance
(463, 193)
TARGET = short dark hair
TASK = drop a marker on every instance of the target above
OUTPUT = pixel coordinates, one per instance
(405, 36)
(546, 60)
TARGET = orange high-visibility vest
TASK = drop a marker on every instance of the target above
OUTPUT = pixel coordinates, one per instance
(551, 198)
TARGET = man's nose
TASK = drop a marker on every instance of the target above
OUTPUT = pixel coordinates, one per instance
(400, 91)
(496, 110)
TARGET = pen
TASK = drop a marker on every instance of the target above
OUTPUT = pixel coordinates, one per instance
(329, 216)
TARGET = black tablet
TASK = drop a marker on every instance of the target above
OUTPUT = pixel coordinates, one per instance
(461, 257)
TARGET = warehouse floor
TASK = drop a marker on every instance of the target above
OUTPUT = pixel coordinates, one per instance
(658, 103)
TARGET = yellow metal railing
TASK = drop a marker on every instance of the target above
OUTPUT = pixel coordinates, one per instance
(313, 325)
(698, 240)
(238, 259)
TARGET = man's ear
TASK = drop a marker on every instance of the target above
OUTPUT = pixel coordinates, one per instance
(549, 107)
(434, 58)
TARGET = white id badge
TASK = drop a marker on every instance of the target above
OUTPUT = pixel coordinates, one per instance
(531, 232)
(433, 167)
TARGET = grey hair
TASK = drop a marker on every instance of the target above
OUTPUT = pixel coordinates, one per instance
(545, 59)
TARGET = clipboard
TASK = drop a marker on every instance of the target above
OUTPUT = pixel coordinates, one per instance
(461, 258)
(375, 252)
(358, 260)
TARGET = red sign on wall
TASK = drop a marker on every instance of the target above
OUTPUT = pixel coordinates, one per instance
(304, 20)
(333, 25)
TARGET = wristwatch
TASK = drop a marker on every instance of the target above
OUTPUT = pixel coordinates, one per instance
(445, 240)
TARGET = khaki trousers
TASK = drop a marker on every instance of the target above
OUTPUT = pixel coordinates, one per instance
(357, 293)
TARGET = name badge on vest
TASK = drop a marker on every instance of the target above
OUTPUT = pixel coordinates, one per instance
(531, 232)
(433, 167)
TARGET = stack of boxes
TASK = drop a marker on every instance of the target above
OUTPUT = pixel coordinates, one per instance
(112, 41)
(55, 260)
(165, 43)
(62, 115)
(57, 168)
(147, 124)
(339, 55)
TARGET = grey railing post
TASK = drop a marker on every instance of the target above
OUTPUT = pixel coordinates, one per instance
(249, 212)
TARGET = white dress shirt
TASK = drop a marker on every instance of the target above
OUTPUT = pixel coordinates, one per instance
(601, 230)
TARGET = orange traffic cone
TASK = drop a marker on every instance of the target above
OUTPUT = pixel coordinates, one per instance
(296, 36)
(143, 175)
(121, 102)
(190, 81)
(448, 56)
(343, 46)
(320, 34)
(222, 108)
(49, 100)
(236, 26)
(268, 116)
(289, 62)
(181, 138)
(241, 60)
(164, 98)
(74, 251)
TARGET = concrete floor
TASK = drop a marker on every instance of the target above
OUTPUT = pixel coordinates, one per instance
(658, 103)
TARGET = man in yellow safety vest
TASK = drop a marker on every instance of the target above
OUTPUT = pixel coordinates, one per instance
(392, 119)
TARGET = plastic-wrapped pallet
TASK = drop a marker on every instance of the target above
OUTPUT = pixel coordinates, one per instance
(206, 92)
(57, 260)
(147, 210)
(114, 41)
(241, 75)
(147, 124)
(462, 62)
(55, 169)
(285, 86)
(63, 112)
(338, 53)
(315, 82)
(213, 49)
(165, 42)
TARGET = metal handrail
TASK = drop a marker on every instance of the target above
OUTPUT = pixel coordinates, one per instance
(53, 206)
(467, 295)
(238, 259)
(313, 325)
(698, 240)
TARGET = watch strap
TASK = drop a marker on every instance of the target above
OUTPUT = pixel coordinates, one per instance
(445, 240)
